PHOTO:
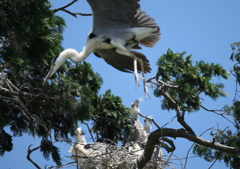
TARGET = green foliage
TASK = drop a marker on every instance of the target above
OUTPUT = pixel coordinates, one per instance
(187, 81)
(235, 56)
(30, 36)
(227, 136)
(48, 148)
(30, 33)
(112, 118)
(204, 152)
(5, 142)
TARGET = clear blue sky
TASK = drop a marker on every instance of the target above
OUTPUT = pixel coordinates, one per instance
(204, 29)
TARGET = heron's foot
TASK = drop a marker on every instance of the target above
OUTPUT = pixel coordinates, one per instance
(137, 80)
(141, 77)
(146, 92)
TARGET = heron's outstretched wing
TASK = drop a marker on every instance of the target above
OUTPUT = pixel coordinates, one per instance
(122, 62)
(111, 14)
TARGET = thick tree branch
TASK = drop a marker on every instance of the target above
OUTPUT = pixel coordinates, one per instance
(150, 146)
(154, 137)
(168, 132)
(147, 154)
(169, 149)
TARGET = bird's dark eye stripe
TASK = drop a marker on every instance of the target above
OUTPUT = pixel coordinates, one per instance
(92, 35)
(54, 59)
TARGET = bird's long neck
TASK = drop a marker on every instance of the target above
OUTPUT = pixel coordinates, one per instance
(78, 57)
(74, 55)
(81, 139)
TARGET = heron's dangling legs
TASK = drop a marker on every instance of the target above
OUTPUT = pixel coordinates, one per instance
(121, 49)
(135, 71)
(146, 92)
(135, 60)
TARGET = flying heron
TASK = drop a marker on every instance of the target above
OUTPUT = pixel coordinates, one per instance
(118, 27)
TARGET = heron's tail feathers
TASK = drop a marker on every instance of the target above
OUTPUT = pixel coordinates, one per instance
(142, 20)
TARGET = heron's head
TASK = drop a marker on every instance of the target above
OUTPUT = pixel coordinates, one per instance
(92, 44)
(148, 120)
(58, 61)
(79, 131)
(136, 103)
(79, 135)
(55, 64)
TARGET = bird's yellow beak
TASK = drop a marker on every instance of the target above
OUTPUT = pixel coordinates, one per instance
(50, 73)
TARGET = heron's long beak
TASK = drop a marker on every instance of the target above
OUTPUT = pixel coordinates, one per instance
(50, 73)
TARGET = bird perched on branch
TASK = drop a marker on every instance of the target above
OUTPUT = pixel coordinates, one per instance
(147, 125)
(118, 27)
(135, 110)
(79, 136)
(81, 150)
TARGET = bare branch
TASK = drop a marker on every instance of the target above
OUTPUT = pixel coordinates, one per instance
(89, 130)
(29, 153)
(169, 121)
(83, 14)
(58, 9)
(150, 119)
(221, 114)
(193, 145)
(212, 164)
(67, 11)
(178, 159)
(63, 165)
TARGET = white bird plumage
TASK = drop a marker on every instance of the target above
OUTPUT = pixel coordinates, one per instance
(147, 125)
(73, 55)
(79, 136)
(81, 149)
(135, 110)
(118, 27)
(136, 149)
